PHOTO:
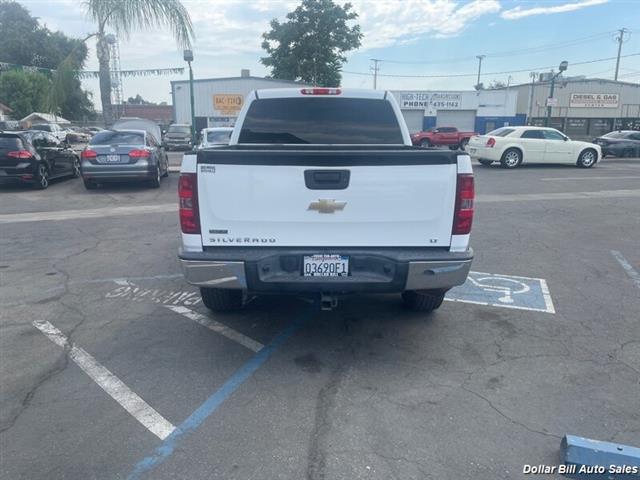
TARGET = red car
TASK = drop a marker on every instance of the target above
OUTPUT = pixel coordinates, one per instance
(449, 136)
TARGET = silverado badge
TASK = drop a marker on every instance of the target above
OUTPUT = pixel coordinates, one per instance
(326, 205)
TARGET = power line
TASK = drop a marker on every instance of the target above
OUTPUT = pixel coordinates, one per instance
(509, 53)
(490, 73)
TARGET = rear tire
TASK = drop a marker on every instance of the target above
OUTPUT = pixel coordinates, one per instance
(76, 168)
(220, 299)
(463, 144)
(484, 162)
(423, 301)
(90, 185)
(425, 143)
(155, 181)
(42, 177)
(511, 158)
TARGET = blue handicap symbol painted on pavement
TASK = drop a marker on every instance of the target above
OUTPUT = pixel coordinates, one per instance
(507, 291)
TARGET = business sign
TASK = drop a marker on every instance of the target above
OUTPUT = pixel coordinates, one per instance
(594, 100)
(228, 104)
(430, 101)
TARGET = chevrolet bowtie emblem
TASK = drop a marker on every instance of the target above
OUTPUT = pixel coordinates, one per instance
(325, 205)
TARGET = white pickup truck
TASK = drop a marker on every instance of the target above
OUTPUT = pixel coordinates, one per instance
(320, 192)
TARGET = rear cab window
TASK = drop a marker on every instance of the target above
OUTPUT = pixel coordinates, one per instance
(117, 138)
(218, 137)
(327, 121)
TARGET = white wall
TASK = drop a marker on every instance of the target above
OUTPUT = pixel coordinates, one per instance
(204, 90)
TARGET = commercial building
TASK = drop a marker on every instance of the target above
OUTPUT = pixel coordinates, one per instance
(469, 110)
(218, 100)
(582, 108)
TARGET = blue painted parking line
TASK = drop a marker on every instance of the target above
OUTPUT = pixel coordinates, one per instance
(168, 446)
(507, 291)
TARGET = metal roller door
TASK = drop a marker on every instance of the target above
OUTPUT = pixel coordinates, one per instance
(464, 120)
(414, 119)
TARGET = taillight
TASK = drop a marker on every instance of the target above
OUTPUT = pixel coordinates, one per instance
(463, 214)
(20, 154)
(491, 142)
(139, 153)
(188, 196)
(320, 91)
(88, 154)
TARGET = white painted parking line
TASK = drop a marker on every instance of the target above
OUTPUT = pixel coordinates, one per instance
(217, 327)
(528, 197)
(87, 213)
(632, 272)
(561, 179)
(129, 400)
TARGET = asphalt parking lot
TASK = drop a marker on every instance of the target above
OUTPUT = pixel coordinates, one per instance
(112, 368)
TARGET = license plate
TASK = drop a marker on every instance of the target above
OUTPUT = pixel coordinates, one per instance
(473, 150)
(112, 158)
(325, 266)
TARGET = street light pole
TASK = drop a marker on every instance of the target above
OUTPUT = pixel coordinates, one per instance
(563, 66)
(188, 57)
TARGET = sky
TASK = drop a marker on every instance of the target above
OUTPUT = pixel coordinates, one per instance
(423, 44)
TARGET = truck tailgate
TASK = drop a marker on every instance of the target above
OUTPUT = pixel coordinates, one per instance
(326, 196)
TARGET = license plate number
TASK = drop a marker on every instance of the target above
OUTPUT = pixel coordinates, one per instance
(325, 266)
(112, 158)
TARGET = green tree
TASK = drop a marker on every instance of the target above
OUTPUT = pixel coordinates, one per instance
(25, 92)
(26, 42)
(138, 100)
(124, 16)
(310, 45)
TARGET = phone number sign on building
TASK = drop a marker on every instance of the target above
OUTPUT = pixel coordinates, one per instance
(429, 101)
(228, 104)
(594, 100)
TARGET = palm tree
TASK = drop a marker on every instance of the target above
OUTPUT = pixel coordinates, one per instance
(123, 16)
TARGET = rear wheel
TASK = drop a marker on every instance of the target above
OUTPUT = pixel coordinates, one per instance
(587, 158)
(423, 301)
(485, 162)
(155, 181)
(511, 158)
(221, 299)
(76, 168)
(425, 143)
(42, 177)
(90, 185)
(463, 143)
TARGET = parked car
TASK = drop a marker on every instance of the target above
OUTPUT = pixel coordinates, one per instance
(94, 130)
(621, 143)
(215, 136)
(122, 155)
(449, 136)
(178, 137)
(77, 135)
(511, 146)
(36, 157)
(9, 125)
(321, 192)
(52, 128)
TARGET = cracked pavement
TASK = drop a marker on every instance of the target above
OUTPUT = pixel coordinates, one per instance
(367, 391)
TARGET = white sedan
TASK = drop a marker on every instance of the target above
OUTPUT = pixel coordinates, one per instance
(511, 146)
(215, 137)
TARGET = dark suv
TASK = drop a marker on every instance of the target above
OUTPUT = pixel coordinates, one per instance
(178, 137)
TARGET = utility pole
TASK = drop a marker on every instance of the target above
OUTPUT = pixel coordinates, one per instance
(479, 57)
(533, 76)
(563, 66)
(620, 39)
(375, 70)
